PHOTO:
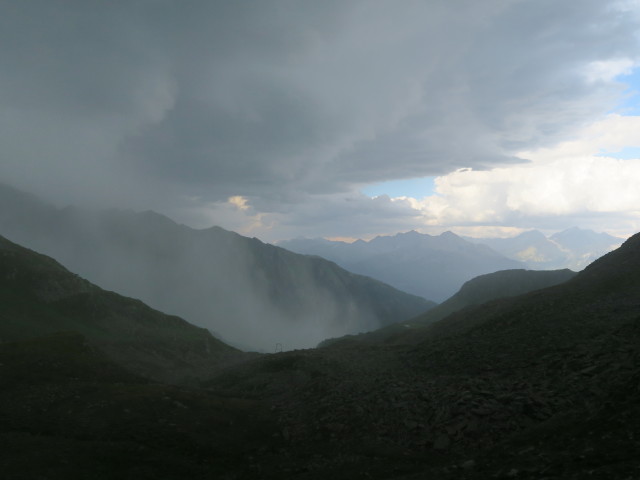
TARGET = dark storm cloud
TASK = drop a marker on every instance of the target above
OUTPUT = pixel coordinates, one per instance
(147, 102)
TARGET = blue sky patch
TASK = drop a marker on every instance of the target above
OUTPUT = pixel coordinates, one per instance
(413, 187)
(631, 103)
(624, 154)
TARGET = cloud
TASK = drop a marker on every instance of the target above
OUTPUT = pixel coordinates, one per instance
(352, 214)
(293, 106)
(576, 182)
(572, 182)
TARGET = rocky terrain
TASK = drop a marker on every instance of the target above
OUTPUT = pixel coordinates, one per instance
(541, 385)
(67, 411)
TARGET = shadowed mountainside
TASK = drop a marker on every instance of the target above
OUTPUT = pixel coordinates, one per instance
(542, 385)
(479, 290)
(40, 297)
(246, 292)
(67, 411)
(505, 283)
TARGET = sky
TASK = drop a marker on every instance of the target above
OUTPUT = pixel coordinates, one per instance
(339, 119)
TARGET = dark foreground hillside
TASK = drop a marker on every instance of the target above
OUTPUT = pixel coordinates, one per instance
(540, 386)
(545, 385)
(68, 412)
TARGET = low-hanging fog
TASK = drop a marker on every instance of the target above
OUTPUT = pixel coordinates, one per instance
(247, 293)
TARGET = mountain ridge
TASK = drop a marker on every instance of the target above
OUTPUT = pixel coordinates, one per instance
(40, 297)
(572, 248)
(251, 294)
(433, 267)
(543, 384)
(477, 291)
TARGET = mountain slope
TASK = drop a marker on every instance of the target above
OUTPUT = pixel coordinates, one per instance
(479, 290)
(433, 267)
(603, 297)
(248, 293)
(573, 248)
(484, 288)
(39, 297)
(542, 385)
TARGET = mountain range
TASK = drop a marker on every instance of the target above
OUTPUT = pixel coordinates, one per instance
(436, 266)
(433, 267)
(573, 248)
(252, 295)
(539, 385)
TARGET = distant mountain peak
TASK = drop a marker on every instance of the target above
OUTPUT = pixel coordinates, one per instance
(410, 233)
(572, 248)
(533, 234)
(430, 266)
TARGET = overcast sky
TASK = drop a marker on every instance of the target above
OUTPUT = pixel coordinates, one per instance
(283, 118)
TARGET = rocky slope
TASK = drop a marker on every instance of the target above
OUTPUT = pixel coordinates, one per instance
(248, 293)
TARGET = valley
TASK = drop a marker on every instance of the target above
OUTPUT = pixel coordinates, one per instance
(298, 240)
(541, 384)
(250, 294)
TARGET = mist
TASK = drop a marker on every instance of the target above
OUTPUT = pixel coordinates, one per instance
(247, 293)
